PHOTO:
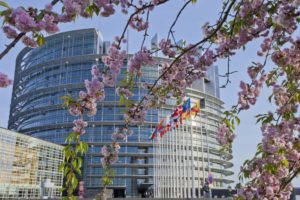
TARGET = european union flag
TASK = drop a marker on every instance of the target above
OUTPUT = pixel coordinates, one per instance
(186, 105)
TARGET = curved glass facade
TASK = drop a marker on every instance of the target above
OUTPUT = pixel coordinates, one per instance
(58, 68)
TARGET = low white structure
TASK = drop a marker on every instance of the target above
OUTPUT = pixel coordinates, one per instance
(27, 164)
(186, 156)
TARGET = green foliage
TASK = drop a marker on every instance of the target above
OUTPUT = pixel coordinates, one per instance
(40, 40)
(107, 178)
(71, 167)
(67, 100)
(127, 82)
(3, 4)
(271, 168)
(264, 118)
(5, 13)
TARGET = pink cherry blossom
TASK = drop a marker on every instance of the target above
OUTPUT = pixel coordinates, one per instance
(4, 80)
(79, 126)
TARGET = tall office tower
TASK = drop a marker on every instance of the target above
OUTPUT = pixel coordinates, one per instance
(59, 68)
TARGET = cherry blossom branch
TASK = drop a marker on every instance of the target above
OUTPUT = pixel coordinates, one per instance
(19, 37)
(290, 179)
(184, 52)
(144, 7)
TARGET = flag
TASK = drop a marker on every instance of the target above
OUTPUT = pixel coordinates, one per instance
(158, 128)
(164, 131)
(180, 110)
(174, 118)
(154, 42)
(186, 105)
(186, 109)
(186, 115)
(175, 114)
(195, 109)
(166, 128)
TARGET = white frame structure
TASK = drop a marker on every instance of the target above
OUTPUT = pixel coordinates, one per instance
(185, 156)
(25, 163)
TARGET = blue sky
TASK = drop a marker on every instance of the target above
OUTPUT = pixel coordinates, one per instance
(188, 28)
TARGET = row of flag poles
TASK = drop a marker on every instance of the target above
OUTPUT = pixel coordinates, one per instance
(181, 113)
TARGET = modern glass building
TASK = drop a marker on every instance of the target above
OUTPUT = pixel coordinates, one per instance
(25, 164)
(59, 68)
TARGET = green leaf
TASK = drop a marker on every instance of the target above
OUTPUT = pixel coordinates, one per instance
(5, 12)
(66, 171)
(61, 167)
(89, 10)
(281, 151)
(70, 137)
(285, 162)
(74, 164)
(79, 165)
(2, 3)
(85, 147)
(40, 40)
(77, 149)
(268, 119)
(238, 121)
(74, 182)
(122, 100)
(272, 169)
(81, 147)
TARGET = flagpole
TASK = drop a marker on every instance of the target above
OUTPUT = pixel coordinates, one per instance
(168, 164)
(198, 161)
(183, 155)
(188, 155)
(164, 166)
(177, 163)
(154, 170)
(173, 162)
(192, 159)
(202, 154)
(208, 156)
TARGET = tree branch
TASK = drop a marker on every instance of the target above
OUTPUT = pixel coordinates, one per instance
(17, 39)
(132, 15)
(146, 30)
(11, 45)
(177, 17)
(185, 51)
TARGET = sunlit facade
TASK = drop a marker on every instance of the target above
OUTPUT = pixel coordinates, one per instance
(25, 164)
(186, 156)
(59, 68)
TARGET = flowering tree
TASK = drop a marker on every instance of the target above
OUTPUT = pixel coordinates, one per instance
(274, 22)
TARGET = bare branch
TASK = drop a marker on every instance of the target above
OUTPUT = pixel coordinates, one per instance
(11, 45)
(227, 75)
(176, 19)
(146, 30)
